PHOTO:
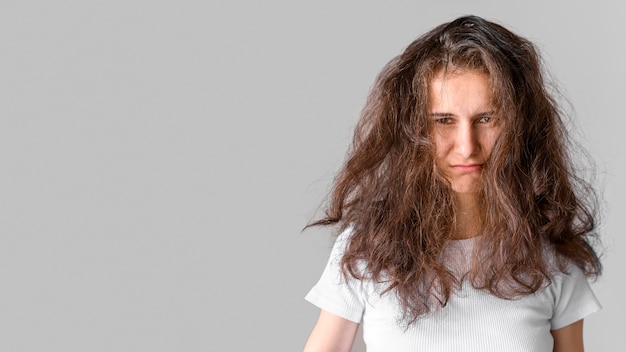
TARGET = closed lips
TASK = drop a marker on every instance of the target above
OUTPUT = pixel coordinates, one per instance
(467, 167)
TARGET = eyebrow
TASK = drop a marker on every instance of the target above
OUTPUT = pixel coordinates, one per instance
(449, 114)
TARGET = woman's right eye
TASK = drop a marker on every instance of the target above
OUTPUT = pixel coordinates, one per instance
(443, 120)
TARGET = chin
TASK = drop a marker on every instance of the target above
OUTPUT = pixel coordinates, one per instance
(467, 192)
(466, 189)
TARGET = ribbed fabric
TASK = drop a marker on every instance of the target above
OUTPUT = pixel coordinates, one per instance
(473, 320)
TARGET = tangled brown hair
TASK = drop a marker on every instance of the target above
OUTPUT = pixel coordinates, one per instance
(402, 215)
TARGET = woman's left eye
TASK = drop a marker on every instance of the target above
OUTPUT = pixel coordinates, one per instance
(484, 119)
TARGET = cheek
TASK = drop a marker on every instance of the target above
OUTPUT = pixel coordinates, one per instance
(440, 142)
(437, 148)
(493, 138)
(491, 141)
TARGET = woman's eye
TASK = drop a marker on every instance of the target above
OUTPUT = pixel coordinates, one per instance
(484, 119)
(444, 120)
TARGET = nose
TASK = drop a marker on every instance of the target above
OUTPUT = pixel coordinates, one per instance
(466, 143)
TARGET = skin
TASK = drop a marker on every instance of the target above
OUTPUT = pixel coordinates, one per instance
(331, 334)
(465, 131)
(465, 128)
(569, 338)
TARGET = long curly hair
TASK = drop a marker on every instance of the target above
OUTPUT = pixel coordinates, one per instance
(402, 214)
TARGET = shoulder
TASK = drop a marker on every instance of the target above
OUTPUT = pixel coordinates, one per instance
(571, 293)
(341, 242)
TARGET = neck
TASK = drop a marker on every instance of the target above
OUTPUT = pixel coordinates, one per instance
(469, 214)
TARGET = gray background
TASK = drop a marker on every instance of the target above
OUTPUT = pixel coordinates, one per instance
(159, 159)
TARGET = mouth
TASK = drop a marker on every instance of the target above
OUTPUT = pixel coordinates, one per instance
(467, 168)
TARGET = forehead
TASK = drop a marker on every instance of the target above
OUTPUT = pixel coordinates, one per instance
(460, 90)
(455, 74)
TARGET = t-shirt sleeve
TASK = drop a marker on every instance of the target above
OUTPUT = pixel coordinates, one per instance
(333, 293)
(574, 300)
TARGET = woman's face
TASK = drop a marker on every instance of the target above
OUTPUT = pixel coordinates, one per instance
(465, 127)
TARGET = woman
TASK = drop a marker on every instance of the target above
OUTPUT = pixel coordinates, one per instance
(463, 224)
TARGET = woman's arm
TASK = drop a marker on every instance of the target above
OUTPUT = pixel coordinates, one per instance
(569, 338)
(331, 334)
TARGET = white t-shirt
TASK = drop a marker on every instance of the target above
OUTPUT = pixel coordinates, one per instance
(473, 320)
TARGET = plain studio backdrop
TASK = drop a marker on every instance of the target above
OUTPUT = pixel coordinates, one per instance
(160, 158)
